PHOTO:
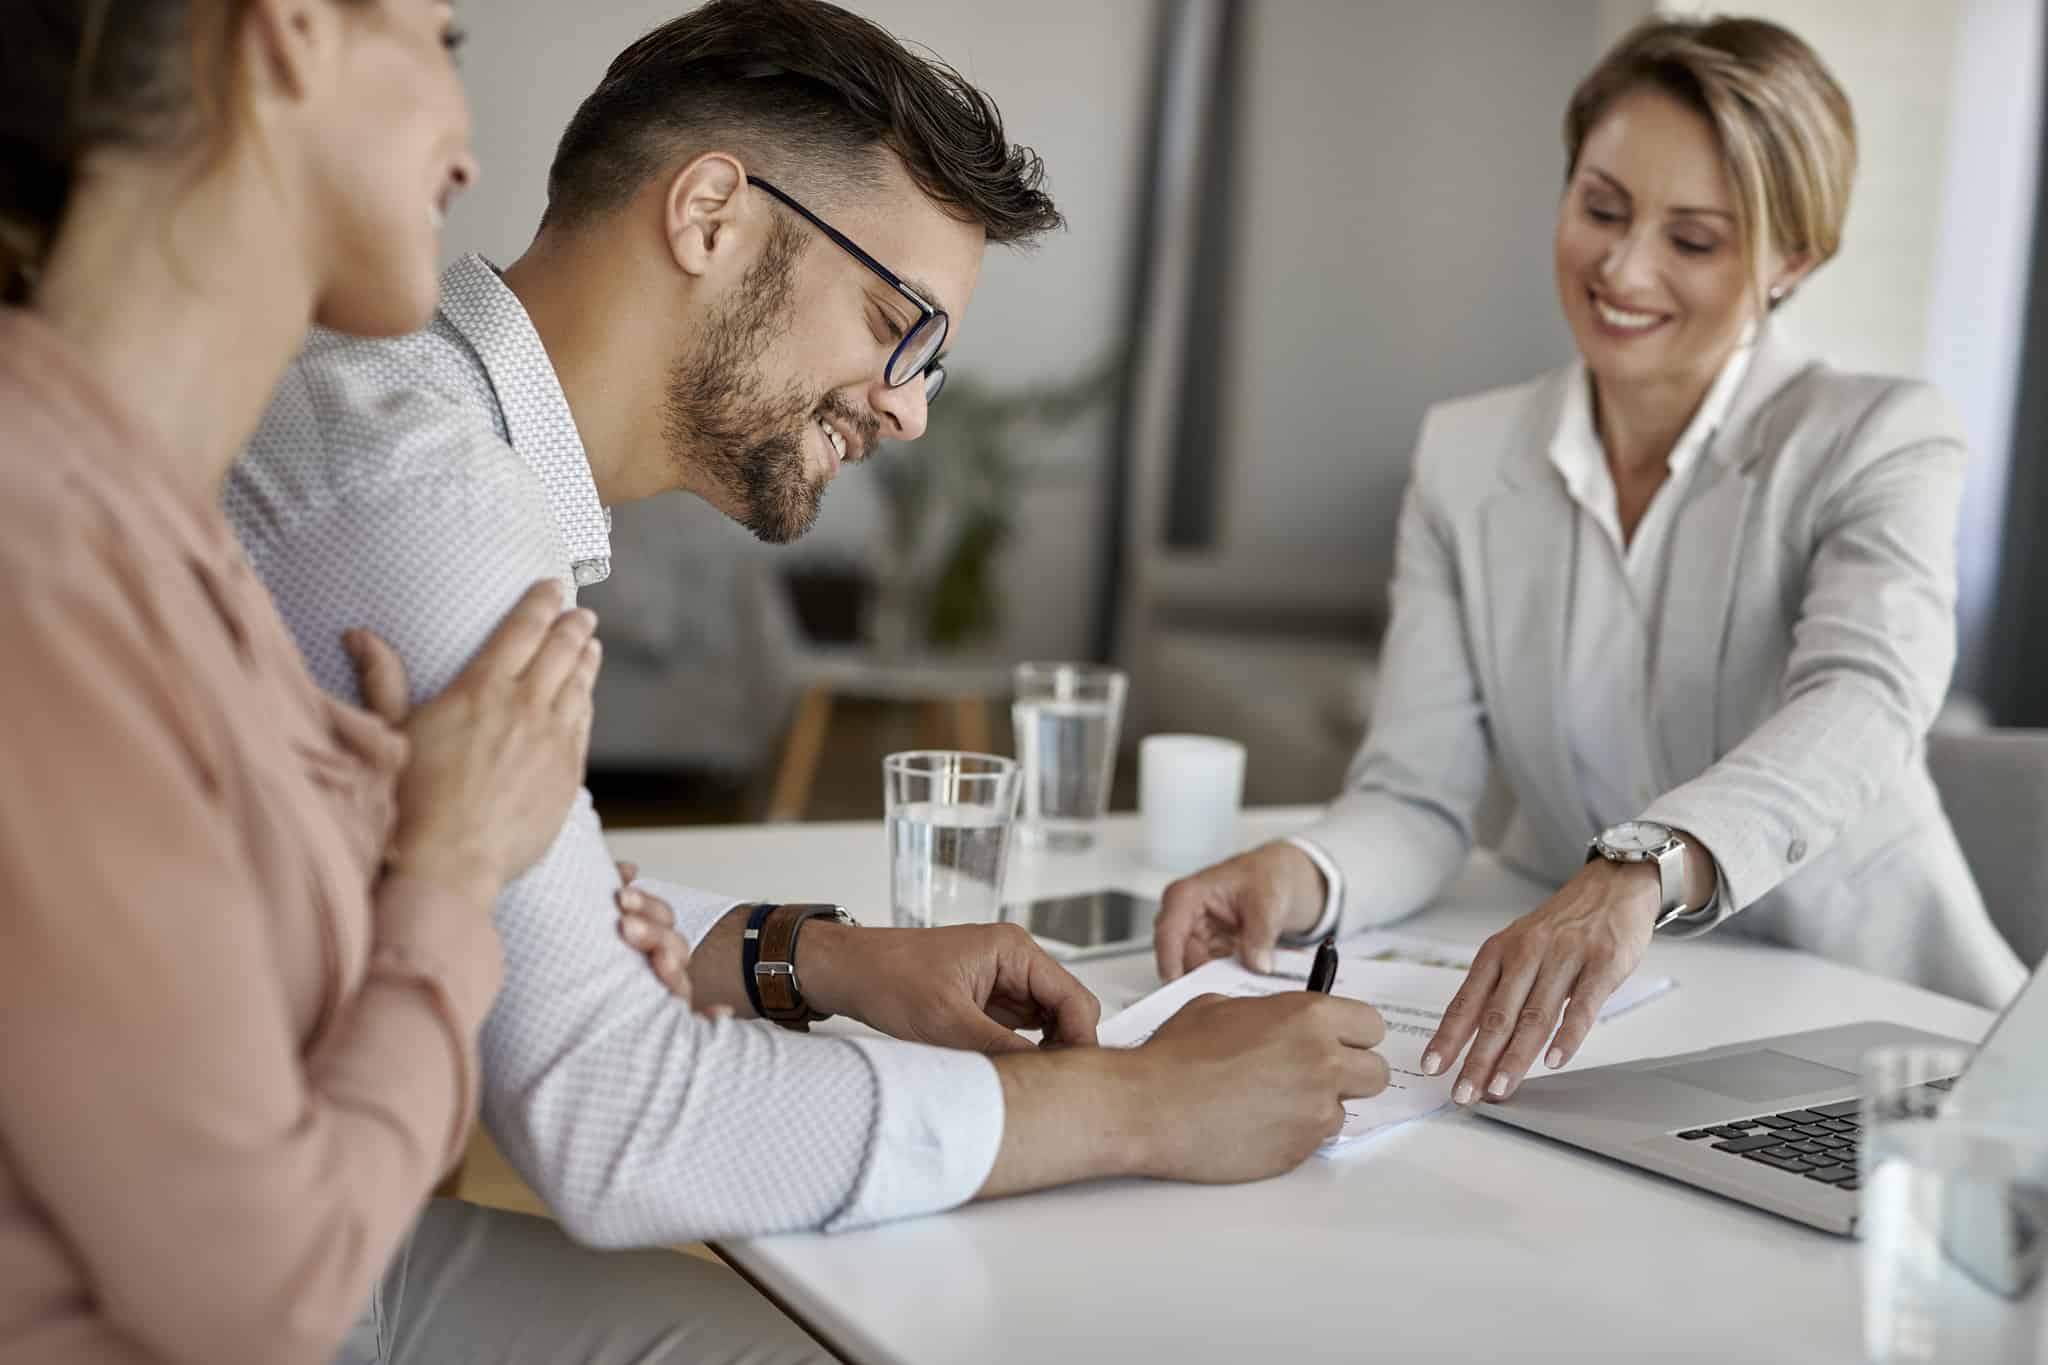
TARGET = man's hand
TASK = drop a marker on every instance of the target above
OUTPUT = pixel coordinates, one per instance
(963, 986)
(1579, 946)
(1242, 906)
(1226, 1090)
(1246, 1089)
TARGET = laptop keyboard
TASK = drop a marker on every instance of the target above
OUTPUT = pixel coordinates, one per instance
(1822, 1143)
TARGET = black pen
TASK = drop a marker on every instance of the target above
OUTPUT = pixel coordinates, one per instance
(1323, 975)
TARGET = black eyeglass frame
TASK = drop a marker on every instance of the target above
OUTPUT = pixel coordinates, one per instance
(934, 373)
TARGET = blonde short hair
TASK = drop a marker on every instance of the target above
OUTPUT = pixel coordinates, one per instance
(1787, 135)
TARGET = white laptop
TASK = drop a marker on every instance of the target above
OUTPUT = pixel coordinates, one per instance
(1773, 1123)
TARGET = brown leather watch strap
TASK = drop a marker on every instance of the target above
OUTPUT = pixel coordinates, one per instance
(775, 979)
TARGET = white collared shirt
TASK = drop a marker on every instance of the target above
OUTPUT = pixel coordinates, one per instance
(418, 486)
(1616, 590)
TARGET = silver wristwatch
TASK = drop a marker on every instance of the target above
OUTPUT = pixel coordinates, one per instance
(1646, 841)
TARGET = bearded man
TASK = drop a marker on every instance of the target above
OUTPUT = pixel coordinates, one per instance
(762, 229)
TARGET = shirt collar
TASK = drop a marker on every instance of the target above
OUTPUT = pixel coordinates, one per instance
(477, 303)
(1575, 448)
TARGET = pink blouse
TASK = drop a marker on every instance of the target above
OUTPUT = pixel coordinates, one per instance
(233, 1061)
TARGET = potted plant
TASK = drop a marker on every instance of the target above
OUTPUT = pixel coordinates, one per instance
(951, 502)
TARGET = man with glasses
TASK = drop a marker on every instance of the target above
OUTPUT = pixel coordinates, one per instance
(919, 354)
(683, 323)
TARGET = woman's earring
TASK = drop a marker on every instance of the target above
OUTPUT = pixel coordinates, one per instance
(1778, 292)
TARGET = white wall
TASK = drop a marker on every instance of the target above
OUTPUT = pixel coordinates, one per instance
(1977, 306)
(1868, 308)
(1072, 79)
(1401, 168)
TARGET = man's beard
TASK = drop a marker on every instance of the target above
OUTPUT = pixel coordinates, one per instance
(720, 418)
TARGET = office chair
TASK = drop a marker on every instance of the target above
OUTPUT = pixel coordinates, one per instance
(1994, 785)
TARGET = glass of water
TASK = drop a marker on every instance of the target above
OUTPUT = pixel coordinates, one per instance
(1067, 717)
(949, 818)
(1954, 1217)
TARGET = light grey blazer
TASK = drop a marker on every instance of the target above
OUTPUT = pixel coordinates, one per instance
(1801, 651)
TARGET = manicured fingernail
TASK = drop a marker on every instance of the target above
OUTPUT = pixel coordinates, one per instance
(631, 899)
(1262, 961)
(634, 930)
(1555, 1059)
(1498, 1086)
(1431, 1064)
(1463, 1094)
(718, 1011)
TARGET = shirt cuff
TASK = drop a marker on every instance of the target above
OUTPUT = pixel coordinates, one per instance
(1333, 898)
(938, 1125)
(1693, 923)
(696, 911)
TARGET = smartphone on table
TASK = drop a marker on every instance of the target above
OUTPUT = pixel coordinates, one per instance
(1091, 924)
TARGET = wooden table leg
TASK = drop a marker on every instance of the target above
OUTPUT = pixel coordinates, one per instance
(970, 724)
(934, 726)
(800, 754)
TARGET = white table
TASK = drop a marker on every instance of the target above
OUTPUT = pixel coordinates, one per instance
(1450, 1239)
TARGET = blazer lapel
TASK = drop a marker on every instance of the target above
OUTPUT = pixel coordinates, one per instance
(1699, 581)
(1528, 530)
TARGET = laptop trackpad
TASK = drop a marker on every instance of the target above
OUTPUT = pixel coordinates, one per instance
(1763, 1076)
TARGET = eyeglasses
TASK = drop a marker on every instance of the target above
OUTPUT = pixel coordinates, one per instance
(918, 352)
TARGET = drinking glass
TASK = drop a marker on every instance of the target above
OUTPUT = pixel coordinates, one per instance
(949, 817)
(1067, 717)
(1954, 1217)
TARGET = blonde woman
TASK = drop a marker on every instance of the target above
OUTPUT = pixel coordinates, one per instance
(1693, 594)
(245, 932)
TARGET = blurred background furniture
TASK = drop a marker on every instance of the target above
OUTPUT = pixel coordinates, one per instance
(952, 697)
(690, 681)
(1298, 702)
(1994, 786)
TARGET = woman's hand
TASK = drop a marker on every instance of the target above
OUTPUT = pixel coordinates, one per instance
(1240, 906)
(1579, 946)
(648, 924)
(496, 758)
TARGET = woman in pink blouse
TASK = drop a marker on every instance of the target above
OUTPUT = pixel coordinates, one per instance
(245, 932)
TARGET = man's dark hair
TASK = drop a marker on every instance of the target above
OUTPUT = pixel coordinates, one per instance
(806, 93)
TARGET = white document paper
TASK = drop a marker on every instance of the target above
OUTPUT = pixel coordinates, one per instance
(1409, 979)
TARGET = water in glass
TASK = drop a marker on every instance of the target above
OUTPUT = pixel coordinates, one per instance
(1955, 1231)
(1068, 752)
(946, 862)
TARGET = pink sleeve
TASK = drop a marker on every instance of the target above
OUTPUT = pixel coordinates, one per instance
(226, 1196)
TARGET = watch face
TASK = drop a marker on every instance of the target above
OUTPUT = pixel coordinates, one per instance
(1637, 836)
